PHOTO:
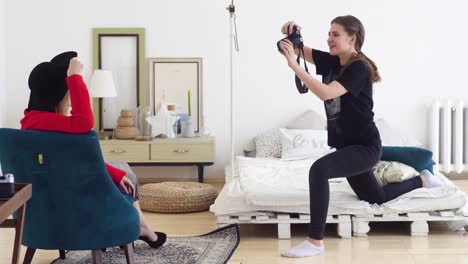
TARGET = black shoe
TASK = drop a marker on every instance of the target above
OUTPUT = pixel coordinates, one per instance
(155, 244)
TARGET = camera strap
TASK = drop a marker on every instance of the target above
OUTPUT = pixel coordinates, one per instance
(300, 86)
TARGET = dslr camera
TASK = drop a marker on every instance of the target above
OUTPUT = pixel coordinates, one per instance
(295, 37)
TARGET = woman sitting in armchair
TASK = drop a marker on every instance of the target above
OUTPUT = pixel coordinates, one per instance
(56, 85)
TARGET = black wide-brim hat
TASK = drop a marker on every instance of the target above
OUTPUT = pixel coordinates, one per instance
(47, 82)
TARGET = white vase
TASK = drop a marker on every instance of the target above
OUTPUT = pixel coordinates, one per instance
(187, 128)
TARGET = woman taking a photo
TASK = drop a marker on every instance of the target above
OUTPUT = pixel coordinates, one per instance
(346, 89)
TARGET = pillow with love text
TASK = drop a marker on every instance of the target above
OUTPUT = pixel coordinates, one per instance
(303, 143)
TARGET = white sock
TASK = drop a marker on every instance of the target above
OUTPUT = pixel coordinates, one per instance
(305, 249)
(431, 180)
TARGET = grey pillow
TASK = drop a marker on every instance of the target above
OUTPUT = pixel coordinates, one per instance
(308, 120)
(250, 153)
(268, 144)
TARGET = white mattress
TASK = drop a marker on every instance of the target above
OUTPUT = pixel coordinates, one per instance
(259, 194)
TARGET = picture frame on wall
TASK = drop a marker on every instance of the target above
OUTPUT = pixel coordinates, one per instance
(121, 51)
(171, 79)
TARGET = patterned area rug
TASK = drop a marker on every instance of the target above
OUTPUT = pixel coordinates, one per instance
(215, 247)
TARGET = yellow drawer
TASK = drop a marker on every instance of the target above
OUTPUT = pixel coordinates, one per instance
(125, 152)
(182, 151)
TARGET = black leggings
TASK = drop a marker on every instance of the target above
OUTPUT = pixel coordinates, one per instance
(354, 162)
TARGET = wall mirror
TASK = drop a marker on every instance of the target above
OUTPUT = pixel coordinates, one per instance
(121, 51)
(170, 81)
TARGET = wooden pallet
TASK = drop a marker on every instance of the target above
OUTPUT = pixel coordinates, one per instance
(419, 221)
(284, 221)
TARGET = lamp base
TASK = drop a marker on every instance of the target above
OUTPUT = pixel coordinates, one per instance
(103, 135)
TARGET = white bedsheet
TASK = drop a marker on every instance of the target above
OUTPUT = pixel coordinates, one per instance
(261, 186)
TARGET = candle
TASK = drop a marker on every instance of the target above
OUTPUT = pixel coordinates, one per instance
(189, 105)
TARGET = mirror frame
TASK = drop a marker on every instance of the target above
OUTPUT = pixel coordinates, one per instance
(156, 92)
(141, 65)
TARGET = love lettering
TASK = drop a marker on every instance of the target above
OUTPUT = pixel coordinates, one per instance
(300, 142)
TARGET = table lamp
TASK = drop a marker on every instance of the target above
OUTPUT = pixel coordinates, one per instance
(102, 86)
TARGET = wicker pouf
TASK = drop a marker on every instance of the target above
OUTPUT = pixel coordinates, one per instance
(177, 197)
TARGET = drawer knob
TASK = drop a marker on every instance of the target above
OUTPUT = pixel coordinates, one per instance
(181, 150)
(118, 151)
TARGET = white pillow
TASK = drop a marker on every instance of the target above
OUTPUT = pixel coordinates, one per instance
(392, 137)
(392, 171)
(303, 143)
(268, 144)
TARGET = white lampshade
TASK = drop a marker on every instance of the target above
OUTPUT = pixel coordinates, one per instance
(102, 84)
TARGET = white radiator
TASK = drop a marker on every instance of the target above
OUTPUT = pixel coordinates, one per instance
(448, 135)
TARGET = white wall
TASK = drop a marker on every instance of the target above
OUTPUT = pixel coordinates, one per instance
(2, 67)
(2, 64)
(418, 46)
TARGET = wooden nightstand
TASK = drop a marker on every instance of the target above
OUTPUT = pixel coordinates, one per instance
(197, 151)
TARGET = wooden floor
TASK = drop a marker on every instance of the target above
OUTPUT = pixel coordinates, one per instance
(386, 243)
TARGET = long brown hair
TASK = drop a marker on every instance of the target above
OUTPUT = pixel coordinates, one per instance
(353, 26)
(62, 106)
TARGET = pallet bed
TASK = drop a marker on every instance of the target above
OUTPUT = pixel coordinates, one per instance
(347, 225)
(418, 221)
(284, 221)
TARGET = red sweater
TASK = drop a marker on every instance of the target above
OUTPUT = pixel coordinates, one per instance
(80, 121)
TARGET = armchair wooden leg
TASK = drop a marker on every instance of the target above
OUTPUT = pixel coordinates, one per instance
(29, 255)
(97, 256)
(129, 253)
(18, 234)
(62, 254)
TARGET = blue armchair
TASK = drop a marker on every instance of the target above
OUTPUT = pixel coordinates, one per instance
(74, 205)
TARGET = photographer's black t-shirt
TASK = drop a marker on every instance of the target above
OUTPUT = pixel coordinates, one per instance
(350, 119)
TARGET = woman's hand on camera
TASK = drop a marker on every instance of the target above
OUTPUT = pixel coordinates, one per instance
(288, 52)
(74, 67)
(288, 26)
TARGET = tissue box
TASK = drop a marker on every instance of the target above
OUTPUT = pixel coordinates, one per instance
(7, 190)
